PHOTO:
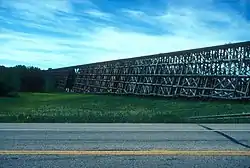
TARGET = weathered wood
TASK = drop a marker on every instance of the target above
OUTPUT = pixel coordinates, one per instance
(212, 72)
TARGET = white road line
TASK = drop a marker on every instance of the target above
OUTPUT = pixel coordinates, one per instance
(130, 130)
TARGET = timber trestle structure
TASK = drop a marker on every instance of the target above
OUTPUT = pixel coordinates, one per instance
(212, 72)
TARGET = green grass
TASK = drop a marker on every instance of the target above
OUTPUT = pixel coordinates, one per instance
(62, 107)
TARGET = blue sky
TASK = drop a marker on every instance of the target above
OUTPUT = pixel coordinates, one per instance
(58, 33)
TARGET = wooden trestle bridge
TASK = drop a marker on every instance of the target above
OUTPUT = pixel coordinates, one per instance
(212, 72)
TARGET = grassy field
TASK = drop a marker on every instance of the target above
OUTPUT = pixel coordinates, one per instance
(62, 107)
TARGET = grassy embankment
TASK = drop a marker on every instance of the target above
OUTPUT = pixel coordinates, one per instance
(61, 107)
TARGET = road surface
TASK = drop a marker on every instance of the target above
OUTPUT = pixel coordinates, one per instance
(125, 145)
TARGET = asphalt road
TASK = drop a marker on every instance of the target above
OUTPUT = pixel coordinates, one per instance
(125, 145)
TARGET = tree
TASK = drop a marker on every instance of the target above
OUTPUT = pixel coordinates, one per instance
(24, 79)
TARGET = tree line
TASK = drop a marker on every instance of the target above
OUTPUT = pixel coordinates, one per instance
(24, 79)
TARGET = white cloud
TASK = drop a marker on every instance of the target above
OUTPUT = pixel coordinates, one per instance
(37, 11)
(190, 22)
(134, 13)
(98, 14)
(72, 39)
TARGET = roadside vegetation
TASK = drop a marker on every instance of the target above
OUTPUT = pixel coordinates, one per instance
(28, 94)
(23, 79)
(84, 108)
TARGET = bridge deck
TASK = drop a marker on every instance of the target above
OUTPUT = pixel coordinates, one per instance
(212, 72)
